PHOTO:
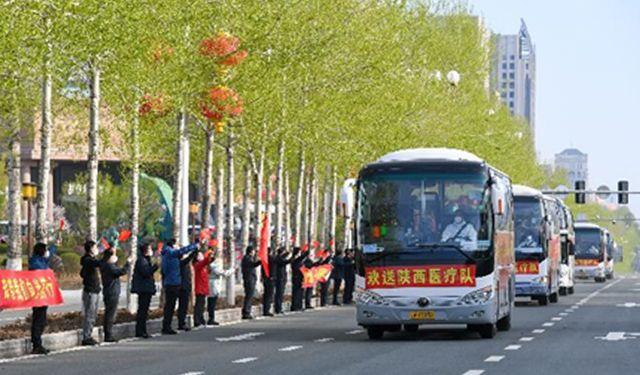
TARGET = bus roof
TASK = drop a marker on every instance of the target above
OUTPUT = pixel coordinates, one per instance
(429, 154)
(586, 226)
(526, 191)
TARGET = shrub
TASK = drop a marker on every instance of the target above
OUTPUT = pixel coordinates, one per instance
(71, 262)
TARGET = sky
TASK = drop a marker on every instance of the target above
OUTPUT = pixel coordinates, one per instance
(587, 80)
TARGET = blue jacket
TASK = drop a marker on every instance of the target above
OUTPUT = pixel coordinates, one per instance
(171, 264)
(143, 281)
(37, 262)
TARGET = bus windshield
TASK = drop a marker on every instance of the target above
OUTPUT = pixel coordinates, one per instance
(426, 213)
(528, 220)
(588, 244)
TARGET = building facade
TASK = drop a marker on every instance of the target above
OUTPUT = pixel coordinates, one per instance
(514, 74)
(576, 163)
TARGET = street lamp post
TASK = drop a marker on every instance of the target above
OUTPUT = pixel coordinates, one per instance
(194, 207)
(29, 193)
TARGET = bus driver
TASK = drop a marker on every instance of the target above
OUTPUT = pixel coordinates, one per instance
(460, 231)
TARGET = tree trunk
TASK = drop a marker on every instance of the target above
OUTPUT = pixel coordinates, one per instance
(231, 280)
(178, 175)
(135, 206)
(220, 211)
(258, 173)
(306, 223)
(268, 202)
(94, 145)
(278, 200)
(324, 229)
(14, 205)
(298, 229)
(205, 218)
(42, 201)
(246, 209)
(287, 213)
(313, 207)
(333, 211)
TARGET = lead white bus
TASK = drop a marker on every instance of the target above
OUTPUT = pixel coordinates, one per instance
(434, 243)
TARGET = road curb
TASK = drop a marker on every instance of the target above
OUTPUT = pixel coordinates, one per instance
(13, 349)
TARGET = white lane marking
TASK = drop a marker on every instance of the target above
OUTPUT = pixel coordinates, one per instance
(290, 348)
(474, 372)
(563, 314)
(575, 307)
(245, 360)
(513, 347)
(526, 339)
(354, 332)
(556, 318)
(324, 339)
(244, 336)
(538, 331)
(628, 305)
(193, 373)
(494, 358)
(615, 336)
(548, 324)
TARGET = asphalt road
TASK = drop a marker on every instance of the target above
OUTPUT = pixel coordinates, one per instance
(595, 331)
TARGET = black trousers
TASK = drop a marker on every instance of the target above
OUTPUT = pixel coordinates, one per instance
(267, 298)
(183, 306)
(249, 293)
(110, 310)
(171, 297)
(211, 308)
(347, 297)
(142, 315)
(324, 293)
(296, 295)
(279, 295)
(38, 323)
(336, 289)
(308, 294)
(198, 310)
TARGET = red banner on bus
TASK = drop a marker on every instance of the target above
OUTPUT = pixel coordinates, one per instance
(587, 262)
(527, 267)
(420, 276)
(24, 289)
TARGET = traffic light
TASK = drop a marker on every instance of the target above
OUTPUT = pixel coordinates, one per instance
(581, 198)
(623, 198)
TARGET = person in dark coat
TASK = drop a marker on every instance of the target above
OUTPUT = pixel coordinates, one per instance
(172, 280)
(90, 291)
(249, 279)
(39, 261)
(324, 286)
(110, 274)
(185, 290)
(283, 258)
(144, 286)
(297, 262)
(337, 275)
(268, 283)
(349, 276)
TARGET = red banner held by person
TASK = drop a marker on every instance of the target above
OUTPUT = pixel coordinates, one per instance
(25, 289)
(263, 252)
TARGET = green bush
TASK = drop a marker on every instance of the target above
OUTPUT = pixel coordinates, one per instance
(71, 262)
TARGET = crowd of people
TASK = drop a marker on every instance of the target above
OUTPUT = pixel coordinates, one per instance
(100, 273)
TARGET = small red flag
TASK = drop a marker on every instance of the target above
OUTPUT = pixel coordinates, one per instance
(263, 252)
(61, 225)
(305, 247)
(213, 243)
(160, 245)
(105, 244)
(124, 236)
(205, 234)
(331, 242)
(316, 244)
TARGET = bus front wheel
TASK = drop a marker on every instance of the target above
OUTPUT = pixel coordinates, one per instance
(486, 331)
(571, 290)
(553, 297)
(375, 333)
(504, 324)
(563, 291)
(543, 300)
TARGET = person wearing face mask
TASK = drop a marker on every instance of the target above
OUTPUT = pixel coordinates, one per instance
(459, 230)
(90, 291)
(39, 261)
(110, 273)
(201, 271)
(144, 286)
(283, 258)
(172, 280)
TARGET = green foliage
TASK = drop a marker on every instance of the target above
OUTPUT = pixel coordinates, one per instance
(71, 262)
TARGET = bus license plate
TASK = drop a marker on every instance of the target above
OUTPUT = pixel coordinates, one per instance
(422, 315)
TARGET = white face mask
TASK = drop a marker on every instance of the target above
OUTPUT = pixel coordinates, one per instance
(148, 252)
(457, 220)
(94, 250)
(200, 257)
(113, 259)
(47, 254)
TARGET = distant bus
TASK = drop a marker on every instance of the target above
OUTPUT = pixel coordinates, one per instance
(591, 252)
(608, 265)
(537, 231)
(434, 243)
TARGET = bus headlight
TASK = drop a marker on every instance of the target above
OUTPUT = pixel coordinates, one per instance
(478, 296)
(540, 280)
(367, 297)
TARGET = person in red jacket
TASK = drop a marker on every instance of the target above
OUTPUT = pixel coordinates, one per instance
(201, 268)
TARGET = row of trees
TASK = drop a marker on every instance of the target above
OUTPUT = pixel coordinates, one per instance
(314, 90)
